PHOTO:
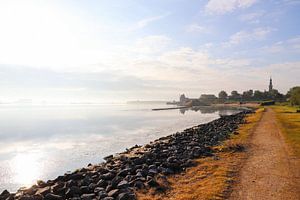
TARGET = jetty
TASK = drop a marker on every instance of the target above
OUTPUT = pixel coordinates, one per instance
(171, 108)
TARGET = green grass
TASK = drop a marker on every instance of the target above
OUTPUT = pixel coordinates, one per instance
(290, 122)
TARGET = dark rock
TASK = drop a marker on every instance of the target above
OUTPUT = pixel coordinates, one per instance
(92, 186)
(152, 183)
(123, 184)
(51, 196)
(88, 196)
(109, 188)
(108, 158)
(152, 167)
(73, 191)
(152, 172)
(60, 178)
(41, 183)
(124, 172)
(44, 191)
(58, 187)
(76, 176)
(139, 184)
(124, 196)
(116, 181)
(98, 189)
(71, 183)
(101, 183)
(114, 193)
(4, 193)
(108, 176)
(37, 197)
(139, 174)
(85, 189)
(149, 178)
(26, 197)
(108, 198)
(75, 198)
(87, 180)
(102, 194)
(167, 171)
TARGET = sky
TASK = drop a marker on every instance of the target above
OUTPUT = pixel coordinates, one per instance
(119, 50)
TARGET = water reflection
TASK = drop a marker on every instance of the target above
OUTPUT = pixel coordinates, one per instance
(26, 168)
(43, 142)
(210, 109)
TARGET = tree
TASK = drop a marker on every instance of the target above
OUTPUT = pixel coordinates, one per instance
(247, 95)
(235, 95)
(275, 95)
(258, 95)
(294, 94)
(223, 95)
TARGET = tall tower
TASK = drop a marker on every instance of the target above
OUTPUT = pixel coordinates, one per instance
(270, 85)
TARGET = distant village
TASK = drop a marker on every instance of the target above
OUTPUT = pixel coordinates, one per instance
(247, 96)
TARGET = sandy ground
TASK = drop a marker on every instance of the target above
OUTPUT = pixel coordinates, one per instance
(270, 172)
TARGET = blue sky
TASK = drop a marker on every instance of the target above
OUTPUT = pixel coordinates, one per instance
(146, 49)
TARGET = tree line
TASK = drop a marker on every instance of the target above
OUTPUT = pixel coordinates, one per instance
(293, 96)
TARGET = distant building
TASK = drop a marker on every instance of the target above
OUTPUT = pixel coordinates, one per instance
(208, 98)
(270, 85)
(185, 101)
(182, 98)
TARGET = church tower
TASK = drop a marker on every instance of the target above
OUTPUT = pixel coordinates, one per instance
(270, 85)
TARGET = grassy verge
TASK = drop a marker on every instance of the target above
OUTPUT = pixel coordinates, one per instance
(290, 125)
(212, 177)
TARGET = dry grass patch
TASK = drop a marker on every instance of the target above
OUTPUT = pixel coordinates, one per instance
(290, 125)
(212, 177)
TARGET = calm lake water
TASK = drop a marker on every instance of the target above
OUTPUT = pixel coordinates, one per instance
(42, 142)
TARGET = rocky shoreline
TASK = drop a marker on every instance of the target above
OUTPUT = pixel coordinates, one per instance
(138, 167)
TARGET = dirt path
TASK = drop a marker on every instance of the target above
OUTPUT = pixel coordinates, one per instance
(269, 172)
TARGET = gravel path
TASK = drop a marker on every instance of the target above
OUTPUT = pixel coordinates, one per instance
(270, 172)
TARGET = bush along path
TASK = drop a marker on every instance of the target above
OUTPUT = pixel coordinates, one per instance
(138, 168)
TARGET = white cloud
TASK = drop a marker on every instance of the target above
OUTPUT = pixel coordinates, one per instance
(243, 36)
(292, 2)
(45, 34)
(294, 43)
(275, 48)
(51, 36)
(252, 17)
(239, 37)
(146, 21)
(169, 72)
(261, 33)
(196, 28)
(291, 45)
(182, 66)
(61, 40)
(185, 57)
(151, 44)
(286, 73)
(225, 6)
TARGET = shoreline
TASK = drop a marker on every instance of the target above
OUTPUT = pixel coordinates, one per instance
(136, 168)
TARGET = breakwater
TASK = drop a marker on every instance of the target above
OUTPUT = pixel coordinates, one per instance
(137, 168)
(171, 108)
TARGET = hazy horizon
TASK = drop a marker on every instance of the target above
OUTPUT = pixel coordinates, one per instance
(118, 51)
